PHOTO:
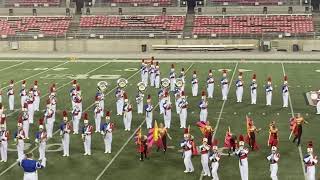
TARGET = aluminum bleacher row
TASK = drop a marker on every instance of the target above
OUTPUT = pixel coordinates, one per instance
(253, 25)
(140, 2)
(248, 2)
(34, 26)
(31, 3)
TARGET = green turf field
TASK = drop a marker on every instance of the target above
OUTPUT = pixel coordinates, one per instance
(124, 162)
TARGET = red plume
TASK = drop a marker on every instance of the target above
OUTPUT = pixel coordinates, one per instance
(108, 113)
(35, 83)
(142, 60)
(78, 88)
(215, 142)
(85, 116)
(269, 79)
(125, 96)
(182, 69)
(41, 121)
(182, 93)
(24, 82)
(254, 76)
(11, 81)
(224, 71)
(20, 119)
(157, 63)
(149, 96)
(172, 66)
(25, 105)
(203, 93)
(194, 72)
(74, 81)
(2, 120)
(210, 70)
(186, 131)
(152, 58)
(240, 73)
(310, 144)
(241, 138)
(48, 101)
(286, 78)
(65, 114)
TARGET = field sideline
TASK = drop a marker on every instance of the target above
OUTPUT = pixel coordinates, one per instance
(123, 162)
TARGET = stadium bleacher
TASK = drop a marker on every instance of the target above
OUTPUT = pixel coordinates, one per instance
(32, 2)
(248, 2)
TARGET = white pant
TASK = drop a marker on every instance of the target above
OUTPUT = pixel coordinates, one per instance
(23, 100)
(42, 150)
(30, 176)
(167, 118)
(274, 171)
(254, 97)
(157, 82)
(285, 98)
(97, 120)
(269, 98)
(311, 173)
(127, 118)
(161, 108)
(36, 103)
(149, 119)
(239, 93)
(87, 144)
(183, 117)
(140, 107)
(195, 88)
(4, 151)
(119, 104)
(11, 102)
(20, 149)
(187, 161)
(210, 90)
(30, 113)
(214, 171)
(244, 169)
(203, 115)
(172, 84)
(25, 127)
(145, 79)
(318, 107)
(75, 124)
(205, 164)
(224, 91)
(107, 142)
(65, 144)
(49, 127)
(152, 78)
(101, 104)
(178, 109)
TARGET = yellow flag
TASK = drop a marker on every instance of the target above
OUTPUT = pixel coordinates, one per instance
(155, 131)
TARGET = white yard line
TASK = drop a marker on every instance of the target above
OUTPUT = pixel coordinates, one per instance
(127, 141)
(14, 164)
(292, 114)
(13, 66)
(222, 107)
(37, 74)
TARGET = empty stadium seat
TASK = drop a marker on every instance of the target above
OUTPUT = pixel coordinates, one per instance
(141, 2)
(33, 2)
(248, 2)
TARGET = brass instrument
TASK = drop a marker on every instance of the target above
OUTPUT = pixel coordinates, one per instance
(102, 86)
(141, 87)
(122, 82)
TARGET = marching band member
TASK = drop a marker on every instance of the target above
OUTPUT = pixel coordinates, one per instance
(97, 116)
(242, 153)
(273, 135)
(142, 69)
(73, 92)
(162, 99)
(120, 101)
(273, 159)
(299, 121)
(215, 158)
(23, 93)
(224, 85)
(19, 138)
(205, 148)
(87, 131)
(145, 73)
(310, 160)
(152, 74)
(100, 98)
(167, 111)
(157, 76)
(139, 101)
(239, 88)
(195, 84)
(162, 141)
(183, 105)
(149, 108)
(208, 131)
(210, 84)
(36, 95)
(30, 101)
(41, 138)
(285, 92)
(24, 116)
(253, 89)
(251, 134)
(4, 137)
(172, 78)
(78, 98)
(76, 116)
(53, 89)
(203, 105)
(178, 99)
(142, 144)
(106, 131)
(65, 130)
(318, 102)
(53, 101)
(49, 119)
(30, 167)
(186, 145)
(230, 142)
(269, 92)
(127, 113)
(10, 94)
(182, 77)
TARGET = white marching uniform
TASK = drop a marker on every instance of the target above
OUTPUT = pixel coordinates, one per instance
(214, 158)
(120, 101)
(210, 86)
(139, 101)
(253, 91)
(310, 161)
(36, 103)
(76, 116)
(23, 96)
(100, 96)
(203, 105)
(161, 100)
(273, 158)
(41, 138)
(19, 139)
(182, 77)
(183, 105)
(73, 93)
(187, 154)
(127, 116)
(106, 131)
(285, 95)
(318, 104)
(269, 94)
(167, 113)
(243, 163)
(177, 99)
(97, 117)
(172, 78)
(204, 150)
(65, 130)
(30, 101)
(157, 78)
(195, 86)
(53, 103)
(4, 136)
(25, 123)
(152, 75)
(239, 90)
(145, 74)
(10, 94)
(77, 100)
(86, 136)
(224, 88)
(148, 108)
(49, 122)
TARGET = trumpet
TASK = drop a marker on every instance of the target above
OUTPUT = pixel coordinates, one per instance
(165, 82)
(179, 82)
(141, 87)
(102, 86)
(122, 82)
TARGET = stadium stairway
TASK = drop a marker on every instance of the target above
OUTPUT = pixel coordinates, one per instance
(188, 26)
(74, 25)
(316, 20)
